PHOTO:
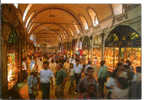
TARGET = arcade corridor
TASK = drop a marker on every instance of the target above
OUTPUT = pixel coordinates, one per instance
(70, 51)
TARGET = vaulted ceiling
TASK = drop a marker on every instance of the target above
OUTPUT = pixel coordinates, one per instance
(52, 23)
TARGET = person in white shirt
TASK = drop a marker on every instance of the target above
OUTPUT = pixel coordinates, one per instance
(70, 60)
(46, 76)
(32, 64)
(78, 68)
(73, 61)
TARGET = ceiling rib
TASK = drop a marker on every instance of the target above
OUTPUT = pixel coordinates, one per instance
(60, 26)
(56, 8)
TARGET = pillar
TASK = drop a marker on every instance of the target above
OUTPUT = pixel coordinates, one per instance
(92, 46)
(3, 69)
(103, 44)
(0, 67)
(113, 57)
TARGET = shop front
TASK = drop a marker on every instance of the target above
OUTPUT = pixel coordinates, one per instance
(87, 49)
(123, 43)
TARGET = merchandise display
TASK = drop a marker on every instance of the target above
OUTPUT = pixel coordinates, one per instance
(12, 70)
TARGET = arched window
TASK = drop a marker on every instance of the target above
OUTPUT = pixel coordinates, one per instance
(16, 5)
(93, 17)
(84, 22)
(26, 11)
(117, 9)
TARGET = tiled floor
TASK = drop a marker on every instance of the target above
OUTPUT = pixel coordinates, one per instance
(23, 91)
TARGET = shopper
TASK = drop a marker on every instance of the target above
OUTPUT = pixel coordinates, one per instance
(120, 91)
(110, 84)
(128, 63)
(32, 85)
(119, 67)
(84, 85)
(46, 76)
(24, 69)
(66, 66)
(33, 64)
(102, 76)
(135, 87)
(72, 79)
(78, 69)
(130, 73)
(60, 81)
(86, 67)
(52, 66)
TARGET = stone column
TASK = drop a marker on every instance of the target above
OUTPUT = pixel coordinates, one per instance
(0, 59)
(103, 44)
(0, 66)
(3, 69)
(92, 44)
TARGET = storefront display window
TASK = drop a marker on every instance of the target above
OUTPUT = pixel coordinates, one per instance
(12, 70)
(123, 43)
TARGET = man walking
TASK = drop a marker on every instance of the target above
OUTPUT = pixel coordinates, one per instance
(46, 76)
(77, 72)
(60, 81)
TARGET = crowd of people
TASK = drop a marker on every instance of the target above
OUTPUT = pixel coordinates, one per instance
(86, 80)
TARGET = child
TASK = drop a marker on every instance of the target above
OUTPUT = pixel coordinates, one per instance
(32, 85)
(72, 79)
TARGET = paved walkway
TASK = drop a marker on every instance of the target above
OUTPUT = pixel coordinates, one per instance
(23, 91)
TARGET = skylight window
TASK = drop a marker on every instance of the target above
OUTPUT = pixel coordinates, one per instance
(84, 22)
(93, 17)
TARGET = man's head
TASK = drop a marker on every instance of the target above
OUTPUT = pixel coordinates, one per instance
(59, 66)
(128, 63)
(67, 61)
(78, 62)
(89, 62)
(90, 71)
(102, 62)
(138, 69)
(122, 67)
(45, 64)
(24, 59)
(119, 64)
(71, 65)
